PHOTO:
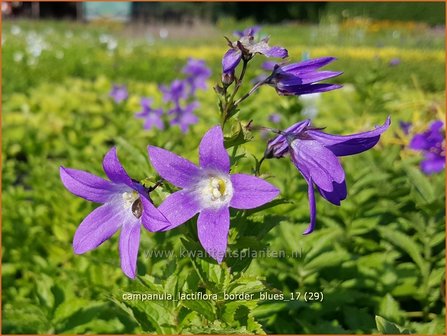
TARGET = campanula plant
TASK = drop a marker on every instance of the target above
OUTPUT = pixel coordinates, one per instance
(211, 188)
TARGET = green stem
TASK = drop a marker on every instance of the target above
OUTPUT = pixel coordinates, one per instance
(229, 104)
(258, 166)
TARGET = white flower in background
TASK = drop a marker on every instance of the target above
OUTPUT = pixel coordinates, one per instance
(15, 30)
(164, 33)
(18, 56)
(110, 42)
(35, 44)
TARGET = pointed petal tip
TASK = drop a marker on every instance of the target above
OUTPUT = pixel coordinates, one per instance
(77, 249)
(130, 274)
(307, 232)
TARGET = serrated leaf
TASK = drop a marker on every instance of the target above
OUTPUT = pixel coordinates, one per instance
(407, 244)
(203, 307)
(421, 184)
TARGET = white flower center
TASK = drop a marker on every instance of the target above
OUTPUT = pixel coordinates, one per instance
(132, 202)
(129, 198)
(214, 190)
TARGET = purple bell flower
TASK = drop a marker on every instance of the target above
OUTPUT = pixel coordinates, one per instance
(197, 74)
(432, 144)
(125, 206)
(275, 118)
(246, 47)
(300, 78)
(209, 190)
(315, 154)
(184, 117)
(175, 92)
(151, 116)
(405, 126)
(119, 93)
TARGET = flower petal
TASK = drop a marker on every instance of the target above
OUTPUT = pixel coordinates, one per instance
(312, 207)
(337, 195)
(212, 153)
(114, 170)
(311, 64)
(129, 244)
(419, 142)
(342, 145)
(230, 60)
(212, 228)
(250, 191)
(98, 226)
(297, 90)
(152, 219)
(276, 51)
(433, 163)
(279, 146)
(179, 207)
(317, 162)
(86, 185)
(177, 170)
(308, 78)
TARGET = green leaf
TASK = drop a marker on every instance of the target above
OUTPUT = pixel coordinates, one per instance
(389, 308)
(238, 136)
(421, 184)
(204, 308)
(407, 244)
(386, 327)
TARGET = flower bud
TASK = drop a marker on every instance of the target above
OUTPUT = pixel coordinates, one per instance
(227, 78)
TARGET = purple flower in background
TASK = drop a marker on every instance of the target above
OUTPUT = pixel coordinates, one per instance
(275, 118)
(405, 126)
(197, 72)
(184, 117)
(175, 92)
(300, 78)
(209, 190)
(315, 154)
(119, 93)
(269, 65)
(432, 144)
(125, 206)
(151, 116)
(394, 62)
(246, 47)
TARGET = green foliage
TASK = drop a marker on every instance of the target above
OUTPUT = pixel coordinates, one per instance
(378, 259)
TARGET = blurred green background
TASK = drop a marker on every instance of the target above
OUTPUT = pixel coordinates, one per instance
(382, 253)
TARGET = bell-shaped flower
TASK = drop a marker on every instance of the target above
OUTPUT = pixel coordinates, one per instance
(209, 190)
(246, 47)
(119, 93)
(301, 78)
(314, 153)
(151, 116)
(125, 206)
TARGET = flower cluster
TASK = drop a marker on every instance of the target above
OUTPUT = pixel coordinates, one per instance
(180, 98)
(209, 189)
(432, 144)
